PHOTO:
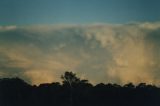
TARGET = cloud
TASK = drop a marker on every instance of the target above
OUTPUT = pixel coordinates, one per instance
(39, 76)
(7, 28)
(102, 53)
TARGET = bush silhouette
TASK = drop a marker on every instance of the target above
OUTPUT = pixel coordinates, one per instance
(76, 92)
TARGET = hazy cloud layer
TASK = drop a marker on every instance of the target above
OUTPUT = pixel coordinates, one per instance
(102, 53)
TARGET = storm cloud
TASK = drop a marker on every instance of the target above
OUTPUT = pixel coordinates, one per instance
(116, 53)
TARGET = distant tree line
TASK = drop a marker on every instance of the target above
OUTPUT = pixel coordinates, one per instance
(76, 92)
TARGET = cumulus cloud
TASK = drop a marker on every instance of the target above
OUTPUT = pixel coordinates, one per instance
(101, 53)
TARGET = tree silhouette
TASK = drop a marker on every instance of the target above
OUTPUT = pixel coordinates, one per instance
(76, 92)
(129, 85)
(70, 78)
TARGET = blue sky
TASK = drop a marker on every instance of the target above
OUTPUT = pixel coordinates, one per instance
(22, 12)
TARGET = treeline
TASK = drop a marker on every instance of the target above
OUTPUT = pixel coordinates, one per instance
(76, 92)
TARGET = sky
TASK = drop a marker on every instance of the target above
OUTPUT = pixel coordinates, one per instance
(109, 41)
(22, 12)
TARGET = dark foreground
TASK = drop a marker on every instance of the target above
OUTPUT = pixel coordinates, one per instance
(76, 92)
